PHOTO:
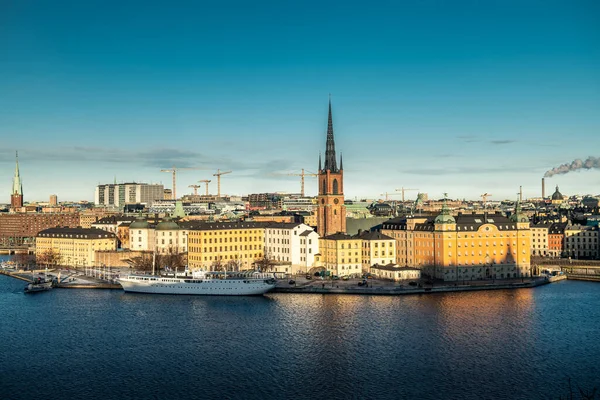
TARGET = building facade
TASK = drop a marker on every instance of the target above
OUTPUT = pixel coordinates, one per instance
(539, 240)
(581, 242)
(225, 244)
(22, 228)
(295, 243)
(331, 211)
(73, 246)
(468, 247)
(119, 194)
(341, 254)
(556, 239)
(395, 273)
(377, 248)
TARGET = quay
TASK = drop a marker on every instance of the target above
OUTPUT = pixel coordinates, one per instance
(390, 289)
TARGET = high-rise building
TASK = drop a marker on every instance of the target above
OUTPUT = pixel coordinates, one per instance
(16, 194)
(53, 200)
(331, 213)
(119, 194)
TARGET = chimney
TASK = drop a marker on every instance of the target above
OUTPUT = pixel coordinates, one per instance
(520, 193)
(543, 188)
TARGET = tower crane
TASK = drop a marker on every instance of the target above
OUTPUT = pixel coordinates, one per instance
(207, 182)
(484, 198)
(403, 189)
(195, 189)
(387, 195)
(218, 175)
(174, 170)
(302, 175)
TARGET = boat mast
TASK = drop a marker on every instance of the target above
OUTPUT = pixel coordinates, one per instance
(153, 261)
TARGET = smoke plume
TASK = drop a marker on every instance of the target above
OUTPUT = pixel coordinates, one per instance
(591, 162)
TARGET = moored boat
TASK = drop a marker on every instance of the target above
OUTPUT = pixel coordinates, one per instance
(39, 285)
(201, 283)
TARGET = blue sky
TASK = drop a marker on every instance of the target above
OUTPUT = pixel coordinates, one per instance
(463, 97)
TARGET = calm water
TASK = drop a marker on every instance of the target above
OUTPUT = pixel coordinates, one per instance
(97, 344)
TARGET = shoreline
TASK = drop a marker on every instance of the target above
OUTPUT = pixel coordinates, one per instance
(381, 289)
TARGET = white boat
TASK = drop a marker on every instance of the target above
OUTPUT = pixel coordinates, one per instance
(201, 283)
(39, 285)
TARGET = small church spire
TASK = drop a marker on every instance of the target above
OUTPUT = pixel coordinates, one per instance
(319, 162)
(17, 185)
(341, 162)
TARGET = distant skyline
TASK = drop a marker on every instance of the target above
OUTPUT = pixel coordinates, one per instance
(462, 97)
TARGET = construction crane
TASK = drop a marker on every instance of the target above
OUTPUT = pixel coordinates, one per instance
(387, 195)
(403, 189)
(174, 170)
(207, 182)
(195, 189)
(302, 175)
(484, 198)
(218, 175)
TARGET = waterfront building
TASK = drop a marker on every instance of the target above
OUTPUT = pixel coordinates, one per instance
(214, 245)
(16, 194)
(581, 242)
(73, 246)
(331, 212)
(170, 238)
(539, 239)
(466, 247)
(556, 236)
(341, 254)
(394, 272)
(295, 243)
(377, 248)
(119, 194)
(21, 228)
(141, 235)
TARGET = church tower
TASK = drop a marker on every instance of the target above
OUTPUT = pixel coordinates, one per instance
(331, 214)
(16, 194)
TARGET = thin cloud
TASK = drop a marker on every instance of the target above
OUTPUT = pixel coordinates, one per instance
(501, 142)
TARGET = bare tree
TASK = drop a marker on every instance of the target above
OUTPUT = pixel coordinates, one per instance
(264, 264)
(143, 262)
(48, 258)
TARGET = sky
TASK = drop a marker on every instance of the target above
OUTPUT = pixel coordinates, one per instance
(457, 97)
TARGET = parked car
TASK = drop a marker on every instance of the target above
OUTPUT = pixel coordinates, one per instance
(308, 276)
(345, 278)
(292, 282)
(412, 283)
(335, 277)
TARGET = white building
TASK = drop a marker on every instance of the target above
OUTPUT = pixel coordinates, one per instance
(119, 194)
(166, 237)
(292, 242)
(395, 273)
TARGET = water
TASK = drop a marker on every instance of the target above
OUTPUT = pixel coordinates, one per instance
(105, 344)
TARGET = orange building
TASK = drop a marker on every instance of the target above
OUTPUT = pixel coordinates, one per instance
(556, 236)
(465, 247)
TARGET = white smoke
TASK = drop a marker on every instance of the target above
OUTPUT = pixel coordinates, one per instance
(591, 162)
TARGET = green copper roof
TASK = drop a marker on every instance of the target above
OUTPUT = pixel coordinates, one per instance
(17, 185)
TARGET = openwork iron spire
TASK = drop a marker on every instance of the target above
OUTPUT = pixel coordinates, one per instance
(17, 185)
(330, 162)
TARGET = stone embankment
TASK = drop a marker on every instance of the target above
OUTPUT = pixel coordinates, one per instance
(402, 290)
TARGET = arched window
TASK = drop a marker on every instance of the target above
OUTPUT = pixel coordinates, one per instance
(335, 186)
(324, 187)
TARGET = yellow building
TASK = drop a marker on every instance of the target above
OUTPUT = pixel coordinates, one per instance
(468, 247)
(237, 245)
(377, 248)
(72, 246)
(341, 254)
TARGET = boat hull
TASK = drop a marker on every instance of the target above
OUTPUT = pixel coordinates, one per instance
(38, 287)
(214, 287)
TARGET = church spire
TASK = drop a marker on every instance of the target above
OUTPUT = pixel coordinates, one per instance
(319, 162)
(341, 162)
(17, 185)
(330, 162)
